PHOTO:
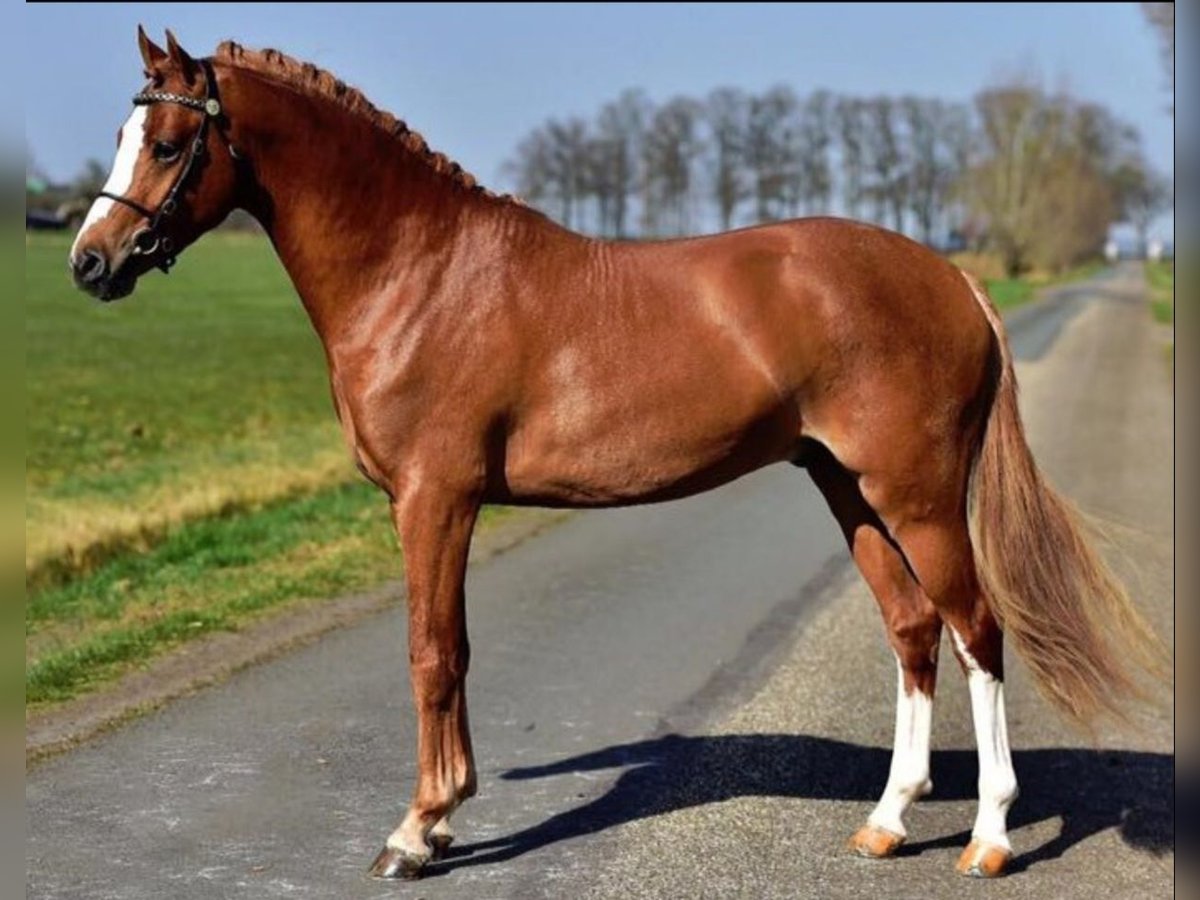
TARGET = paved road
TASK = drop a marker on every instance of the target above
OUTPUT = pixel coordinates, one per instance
(686, 699)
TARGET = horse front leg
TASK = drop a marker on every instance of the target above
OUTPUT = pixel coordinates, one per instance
(434, 525)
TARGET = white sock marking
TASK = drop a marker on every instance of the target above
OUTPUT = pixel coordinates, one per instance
(997, 781)
(133, 135)
(908, 779)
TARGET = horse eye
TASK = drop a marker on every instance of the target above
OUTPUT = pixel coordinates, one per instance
(165, 151)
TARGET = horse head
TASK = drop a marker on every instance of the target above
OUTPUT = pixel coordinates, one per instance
(175, 176)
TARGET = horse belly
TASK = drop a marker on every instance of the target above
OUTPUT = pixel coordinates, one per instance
(621, 458)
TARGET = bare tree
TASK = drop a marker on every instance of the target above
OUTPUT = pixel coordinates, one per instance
(769, 151)
(885, 161)
(620, 130)
(958, 137)
(552, 168)
(1142, 194)
(598, 182)
(1004, 185)
(933, 159)
(531, 166)
(848, 113)
(727, 113)
(1087, 184)
(671, 147)
(1046, 182)
(569, 152)
(924, 164)
(814, 139)
(1073, 213)
(1039, 178)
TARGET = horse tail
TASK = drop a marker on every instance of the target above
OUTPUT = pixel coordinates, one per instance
(1069, 619)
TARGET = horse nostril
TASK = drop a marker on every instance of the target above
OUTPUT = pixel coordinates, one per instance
(90, 267)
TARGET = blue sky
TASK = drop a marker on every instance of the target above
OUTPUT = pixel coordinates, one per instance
(474, 79)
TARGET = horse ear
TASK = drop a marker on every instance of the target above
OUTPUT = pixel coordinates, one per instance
(152, 54)
(179, 56)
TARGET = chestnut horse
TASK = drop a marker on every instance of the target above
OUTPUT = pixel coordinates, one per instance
(479, 353)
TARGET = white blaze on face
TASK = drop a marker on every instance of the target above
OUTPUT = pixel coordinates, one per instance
(908, 779)
(997, 780)
(133, 134)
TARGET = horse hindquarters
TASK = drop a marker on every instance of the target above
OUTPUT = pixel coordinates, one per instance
(901, 440)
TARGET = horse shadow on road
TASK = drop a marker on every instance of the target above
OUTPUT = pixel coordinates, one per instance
(1091, 790)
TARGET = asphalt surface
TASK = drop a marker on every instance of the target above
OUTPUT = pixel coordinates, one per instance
(689, 699)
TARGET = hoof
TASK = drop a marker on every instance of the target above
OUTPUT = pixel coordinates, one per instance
(393, 863)
(982, 860)
(439, 844)
(874, 842)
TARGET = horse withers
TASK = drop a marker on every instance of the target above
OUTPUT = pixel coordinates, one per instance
(479, 353)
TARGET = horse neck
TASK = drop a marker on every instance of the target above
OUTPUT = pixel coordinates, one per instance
(355, 217)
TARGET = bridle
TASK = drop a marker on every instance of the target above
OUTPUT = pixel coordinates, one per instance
(151, 240)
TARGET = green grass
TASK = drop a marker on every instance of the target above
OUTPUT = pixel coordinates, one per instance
(1161, 278)
(1007, 293)
(204, 390)
(184, 467)
(1163, 311)
(215, 574)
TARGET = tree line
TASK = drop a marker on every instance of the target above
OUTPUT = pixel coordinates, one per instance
(1034, 176)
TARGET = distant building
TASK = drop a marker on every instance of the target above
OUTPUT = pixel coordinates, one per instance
(1112, 251)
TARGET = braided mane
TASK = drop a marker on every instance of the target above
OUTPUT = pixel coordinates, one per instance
(317, 82)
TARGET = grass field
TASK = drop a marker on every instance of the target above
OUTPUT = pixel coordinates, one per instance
(189, 398)
(184, 469)
(1009, 292)
(213, 573)
(184, 466)
(1161, 278)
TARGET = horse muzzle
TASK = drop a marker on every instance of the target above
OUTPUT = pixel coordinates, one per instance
(95, 274)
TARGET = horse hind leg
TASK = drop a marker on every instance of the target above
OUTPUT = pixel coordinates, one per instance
(989, 852)
(914, 632)
(939, 548)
